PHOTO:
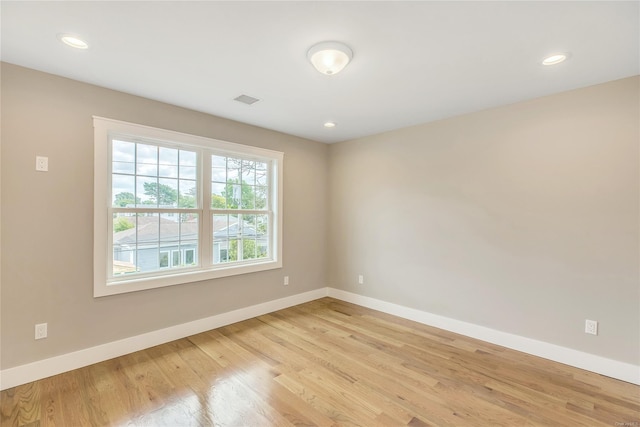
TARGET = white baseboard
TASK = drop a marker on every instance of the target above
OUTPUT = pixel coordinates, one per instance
(590, 362)
(66, 362)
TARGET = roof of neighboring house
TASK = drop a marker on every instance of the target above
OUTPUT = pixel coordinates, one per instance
(120, 267)
(173, 231)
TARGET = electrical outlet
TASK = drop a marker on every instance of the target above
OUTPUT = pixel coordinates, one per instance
(41, 331)
(42, 164)
(360, 279)
(286, 280)
(591, 327)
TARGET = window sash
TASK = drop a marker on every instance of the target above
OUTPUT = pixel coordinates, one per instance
(162, 245)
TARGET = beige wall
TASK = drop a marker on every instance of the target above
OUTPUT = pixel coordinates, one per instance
(47, 220)
(523, 219)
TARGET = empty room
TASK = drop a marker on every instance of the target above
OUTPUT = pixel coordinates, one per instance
(320, 213)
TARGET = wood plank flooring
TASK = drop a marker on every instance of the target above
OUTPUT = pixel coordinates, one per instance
(324, 363)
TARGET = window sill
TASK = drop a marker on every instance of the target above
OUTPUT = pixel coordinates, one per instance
(143, 283)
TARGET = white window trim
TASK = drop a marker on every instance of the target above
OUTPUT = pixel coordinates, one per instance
(103, 127)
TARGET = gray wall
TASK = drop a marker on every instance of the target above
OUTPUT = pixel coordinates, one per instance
(47, 220)
(523, 219)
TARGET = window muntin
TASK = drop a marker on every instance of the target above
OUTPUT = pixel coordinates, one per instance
(181, 208)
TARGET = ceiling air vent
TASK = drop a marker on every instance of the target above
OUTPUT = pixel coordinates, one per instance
(246, 99)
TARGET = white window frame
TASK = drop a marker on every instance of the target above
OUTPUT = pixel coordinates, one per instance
(104, 282)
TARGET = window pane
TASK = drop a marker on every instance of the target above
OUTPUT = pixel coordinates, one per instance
(188, 158)
(218, 175)
(220, 227)
(234, 226)
(261, 197)
(168, 164)
(232, 194)
(248, 174)
(187, 194)
(248, 248)
(188, 162)
(124, 167)
(218, 199)
(262, 225)
(147, 160)
(262, 249)
(220, 238)
(188, 172)
(232, 254)
(123, 187)
(188, 240)
(219, 162)
(169, 230)
(262, 236)
(218, 196)
(168, 193)
(123, 151)
(146, 191)
(124, 244)
(147, 244)
(261, 173)
(248, 196)
(164, 259)
(233, 170)
(189, 230)
(176, 258)
(248, 226)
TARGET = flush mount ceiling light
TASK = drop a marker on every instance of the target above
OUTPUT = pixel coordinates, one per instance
(329, 57)
(329, 124)
(73, 41)
(554, 59)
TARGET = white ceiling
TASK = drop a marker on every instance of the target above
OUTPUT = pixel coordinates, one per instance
(414, 62)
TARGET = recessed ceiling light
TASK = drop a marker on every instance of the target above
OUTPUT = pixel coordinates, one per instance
(329, 125)
(329, 57)
(73, 41)
(554, 59)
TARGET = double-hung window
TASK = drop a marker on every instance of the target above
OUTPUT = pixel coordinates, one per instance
(172, 208)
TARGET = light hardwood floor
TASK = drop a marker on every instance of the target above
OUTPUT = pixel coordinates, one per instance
(325, 363)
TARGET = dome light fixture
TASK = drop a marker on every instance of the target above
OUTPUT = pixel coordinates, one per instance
(554, 59)
(329, 124)
(329, 58)
(73, 41)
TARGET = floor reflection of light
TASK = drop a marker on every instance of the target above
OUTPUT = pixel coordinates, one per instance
(185, 410)
(237, 398)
